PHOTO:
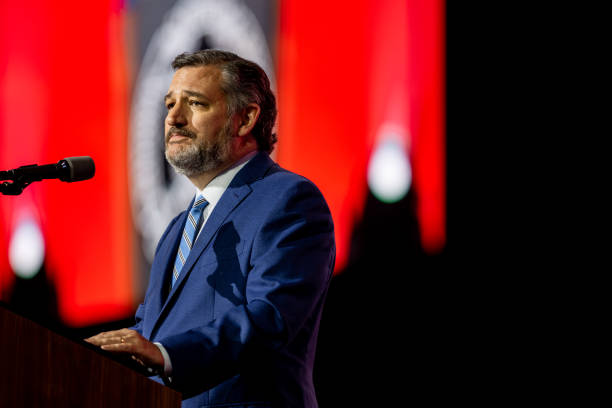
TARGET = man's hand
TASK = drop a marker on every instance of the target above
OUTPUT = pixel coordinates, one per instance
(126, 341)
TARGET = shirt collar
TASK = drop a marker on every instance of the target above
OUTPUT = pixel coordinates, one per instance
(217, 186)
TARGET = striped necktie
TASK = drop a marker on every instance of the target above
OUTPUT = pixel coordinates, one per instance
(189, 235)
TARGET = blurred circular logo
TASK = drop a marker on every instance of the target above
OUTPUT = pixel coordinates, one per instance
(159, 194)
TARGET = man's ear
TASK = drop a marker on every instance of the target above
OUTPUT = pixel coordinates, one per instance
(248, 119)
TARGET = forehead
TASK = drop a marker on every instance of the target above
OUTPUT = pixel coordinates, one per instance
(201, 79)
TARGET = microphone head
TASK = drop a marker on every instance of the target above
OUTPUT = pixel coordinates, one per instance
(78, 168)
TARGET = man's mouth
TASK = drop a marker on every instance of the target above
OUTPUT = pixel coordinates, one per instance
(176, 138)
(178, 135)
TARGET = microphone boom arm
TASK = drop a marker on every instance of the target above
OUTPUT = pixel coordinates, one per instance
(20, 182)
(14, 188)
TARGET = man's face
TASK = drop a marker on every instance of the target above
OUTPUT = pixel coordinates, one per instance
(197, 128)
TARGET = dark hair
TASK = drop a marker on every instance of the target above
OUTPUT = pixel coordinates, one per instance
(243, 82)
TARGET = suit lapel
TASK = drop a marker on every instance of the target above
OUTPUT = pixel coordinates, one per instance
(230, 199)
(160, 271)
(235, 193)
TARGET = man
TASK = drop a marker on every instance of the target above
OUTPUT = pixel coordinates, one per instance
(238, 282)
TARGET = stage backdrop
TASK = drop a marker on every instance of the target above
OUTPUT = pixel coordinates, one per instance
(64, 92)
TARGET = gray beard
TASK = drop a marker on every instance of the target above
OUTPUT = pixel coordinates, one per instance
(195, 159)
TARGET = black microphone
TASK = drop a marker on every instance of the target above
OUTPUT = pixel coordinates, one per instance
(69, 169)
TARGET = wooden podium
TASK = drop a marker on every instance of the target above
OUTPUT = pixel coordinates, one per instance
(40, 368)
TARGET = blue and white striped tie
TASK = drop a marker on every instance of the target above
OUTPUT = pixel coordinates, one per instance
(189, 235)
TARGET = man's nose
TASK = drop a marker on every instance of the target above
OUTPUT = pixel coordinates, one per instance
(176, 116)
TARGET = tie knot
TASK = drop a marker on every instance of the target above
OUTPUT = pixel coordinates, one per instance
(200, 202)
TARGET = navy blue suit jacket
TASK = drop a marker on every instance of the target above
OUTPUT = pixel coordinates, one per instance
(241, 323)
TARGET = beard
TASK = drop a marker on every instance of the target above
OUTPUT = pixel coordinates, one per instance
(192, 159)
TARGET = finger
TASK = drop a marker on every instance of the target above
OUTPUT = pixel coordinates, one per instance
(118, 336)
(118, 347)
(100, 336)
(97, 340)
(139, 361)
(111, 337)
(112, 340)
(127, 333)
(123, 343)
(137, 352)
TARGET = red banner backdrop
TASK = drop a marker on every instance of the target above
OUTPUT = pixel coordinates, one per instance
(63, 92)
(346, 73)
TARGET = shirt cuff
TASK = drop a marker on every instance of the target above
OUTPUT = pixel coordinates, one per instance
(167, 362)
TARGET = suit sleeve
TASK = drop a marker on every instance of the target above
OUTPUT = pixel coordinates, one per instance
(291, 264)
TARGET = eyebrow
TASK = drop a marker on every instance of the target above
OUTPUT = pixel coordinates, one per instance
(190, 93)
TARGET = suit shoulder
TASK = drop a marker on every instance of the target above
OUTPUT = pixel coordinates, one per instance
(284, 190)
(286, 179)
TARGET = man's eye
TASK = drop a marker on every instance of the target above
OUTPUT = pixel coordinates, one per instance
(197, 103)
(169, 105)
